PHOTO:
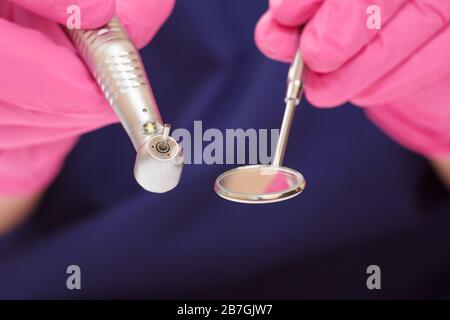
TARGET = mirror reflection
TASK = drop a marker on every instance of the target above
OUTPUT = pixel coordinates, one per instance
(257, 182)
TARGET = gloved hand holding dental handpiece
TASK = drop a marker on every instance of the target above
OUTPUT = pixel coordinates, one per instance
(399, 73)
(47, 96)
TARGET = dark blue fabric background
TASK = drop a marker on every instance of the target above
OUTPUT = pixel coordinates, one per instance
(368, 200)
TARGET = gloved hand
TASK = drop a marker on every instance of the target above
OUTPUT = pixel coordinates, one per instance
(47, 96)
(401, 72)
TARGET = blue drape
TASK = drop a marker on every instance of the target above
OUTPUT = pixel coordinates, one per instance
(368, 200)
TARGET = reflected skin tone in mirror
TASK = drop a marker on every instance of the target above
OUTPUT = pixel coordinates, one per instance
(257, 181)
(259, 184)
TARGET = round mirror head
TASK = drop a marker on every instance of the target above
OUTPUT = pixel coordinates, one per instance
(259, 184)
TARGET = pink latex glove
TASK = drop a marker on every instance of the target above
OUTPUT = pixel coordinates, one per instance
(401, 72)
(47, 96)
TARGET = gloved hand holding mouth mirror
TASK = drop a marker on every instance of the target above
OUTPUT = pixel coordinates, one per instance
(269, 183)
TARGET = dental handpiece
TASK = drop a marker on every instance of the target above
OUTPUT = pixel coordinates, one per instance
(116, 65)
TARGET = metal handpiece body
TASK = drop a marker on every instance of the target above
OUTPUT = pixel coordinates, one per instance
(116, 65)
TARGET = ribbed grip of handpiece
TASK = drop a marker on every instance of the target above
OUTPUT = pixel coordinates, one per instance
(116, 65)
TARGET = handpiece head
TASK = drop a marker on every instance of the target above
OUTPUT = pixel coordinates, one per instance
(159, 163)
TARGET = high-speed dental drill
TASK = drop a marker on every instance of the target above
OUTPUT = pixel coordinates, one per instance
(116, 65)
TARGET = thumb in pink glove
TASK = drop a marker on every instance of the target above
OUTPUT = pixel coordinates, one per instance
(47, 96)
(401, 71)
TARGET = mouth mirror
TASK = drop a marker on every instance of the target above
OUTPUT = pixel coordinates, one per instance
(259, 184)
(269, 183)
